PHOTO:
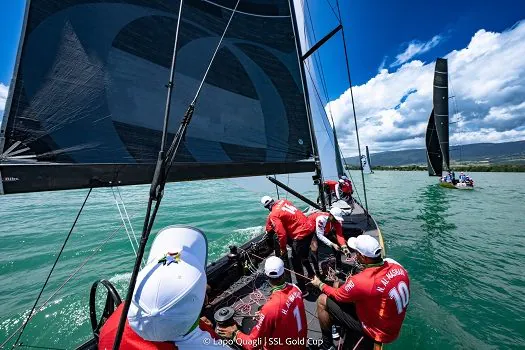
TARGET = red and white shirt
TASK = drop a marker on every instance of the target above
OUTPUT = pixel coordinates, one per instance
(282, 323)
(323, 227)
(331, 184)
(287, 222)
(380, 295)
(201, 337)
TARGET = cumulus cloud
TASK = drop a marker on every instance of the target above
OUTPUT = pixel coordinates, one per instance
(3, 97)
(487, 79)
(415, 48)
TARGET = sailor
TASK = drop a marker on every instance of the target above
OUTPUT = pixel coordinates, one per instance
(281, 320)
(329, 187)
(462, 177)
(165, 309)
(291, 227)
(327, 227)
(344, 187)
(371, 303)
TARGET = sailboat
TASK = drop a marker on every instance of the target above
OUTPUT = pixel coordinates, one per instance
(437, 134)
(365, 162)
(110, 94)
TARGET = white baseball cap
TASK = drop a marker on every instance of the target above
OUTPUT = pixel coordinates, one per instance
(273, 267)
(171, 288)
(266, 200)
(337, 213)
(366, 245)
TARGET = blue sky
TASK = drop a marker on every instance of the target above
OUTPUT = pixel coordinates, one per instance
(388, 35)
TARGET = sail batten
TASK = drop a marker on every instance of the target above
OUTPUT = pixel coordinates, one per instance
(89, 89)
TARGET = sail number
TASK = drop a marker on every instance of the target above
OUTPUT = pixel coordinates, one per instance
(401, 295)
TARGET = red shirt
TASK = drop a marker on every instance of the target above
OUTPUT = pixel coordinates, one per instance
(288, 222)
(132, 341)
(331, 184)
(380, 295)
(346, 187)
(321, 223)
(282, 323)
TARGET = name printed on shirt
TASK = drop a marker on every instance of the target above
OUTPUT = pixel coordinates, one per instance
(389, 276)
(290, 300)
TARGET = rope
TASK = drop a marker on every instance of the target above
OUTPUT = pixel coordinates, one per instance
(127, 217)
(214, 54)
(50, 272)
(65, 282)
(124, 223)
(357, 344)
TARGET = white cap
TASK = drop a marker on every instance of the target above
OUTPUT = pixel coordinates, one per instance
(337, 213)
(273, 267)
(341, 181)
(266, 200)
(169, 293)
(344, 177)
(366, 245)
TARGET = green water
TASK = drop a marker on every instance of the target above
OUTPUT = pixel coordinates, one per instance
(464, 250)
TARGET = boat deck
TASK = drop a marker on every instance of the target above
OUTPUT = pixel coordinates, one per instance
(248, 294)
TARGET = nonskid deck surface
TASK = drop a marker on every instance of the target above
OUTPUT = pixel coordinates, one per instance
(249, 293)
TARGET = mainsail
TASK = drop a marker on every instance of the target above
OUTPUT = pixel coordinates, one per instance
(437, 134)
(86, 104)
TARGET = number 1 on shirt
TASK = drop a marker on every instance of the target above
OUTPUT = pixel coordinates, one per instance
(297, 316)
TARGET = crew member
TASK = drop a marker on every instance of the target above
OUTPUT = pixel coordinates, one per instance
(329, 187)
(371, 303)
(282, 319)
(328, 225)
(344, 188)
(164, 312)
(291, 226)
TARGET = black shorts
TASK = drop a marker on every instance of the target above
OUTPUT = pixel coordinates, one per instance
(345, 314)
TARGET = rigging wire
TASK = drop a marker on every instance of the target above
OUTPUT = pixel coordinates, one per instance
(48, 300)
(163, 167)
(353, 106)
(124, 223)
(127, 216)
(319, 66)
(333, 144)
(51, 271)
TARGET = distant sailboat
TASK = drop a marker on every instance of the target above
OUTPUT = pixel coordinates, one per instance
(437, 135)
(365, 163)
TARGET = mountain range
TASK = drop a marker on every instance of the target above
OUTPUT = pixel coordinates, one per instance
(483, 153)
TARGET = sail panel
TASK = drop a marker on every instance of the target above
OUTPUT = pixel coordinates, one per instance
(440, 101)
(89, 91)
(434, 156)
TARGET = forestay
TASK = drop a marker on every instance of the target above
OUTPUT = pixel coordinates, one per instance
(86, 104)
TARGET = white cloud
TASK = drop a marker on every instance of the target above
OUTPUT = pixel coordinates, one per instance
(487, 79)
(3, 96)
(382, 65)
(415, 48)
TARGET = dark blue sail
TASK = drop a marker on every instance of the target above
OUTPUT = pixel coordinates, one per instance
(87, 100)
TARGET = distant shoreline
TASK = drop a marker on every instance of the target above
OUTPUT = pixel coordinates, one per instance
(496, 168)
